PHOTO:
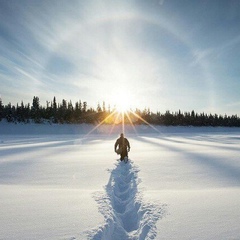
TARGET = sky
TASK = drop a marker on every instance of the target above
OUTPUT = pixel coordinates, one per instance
(157, 54)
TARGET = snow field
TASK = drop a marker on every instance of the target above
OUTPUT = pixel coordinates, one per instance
(198, 177)
(181, 184)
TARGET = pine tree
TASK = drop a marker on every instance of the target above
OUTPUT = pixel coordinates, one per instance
(1, 110)
(35, 110)
(9, 111)
(84, 107)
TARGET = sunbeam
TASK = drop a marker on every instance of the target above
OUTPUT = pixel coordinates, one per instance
(150, 125)
(131, 122)
(101, 123)
(115, 118)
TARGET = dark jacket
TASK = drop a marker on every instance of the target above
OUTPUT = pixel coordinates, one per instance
(122, 143)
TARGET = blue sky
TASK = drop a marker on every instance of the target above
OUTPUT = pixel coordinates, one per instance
(165, 55)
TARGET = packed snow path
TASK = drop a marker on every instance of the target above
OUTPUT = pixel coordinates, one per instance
(125, 214)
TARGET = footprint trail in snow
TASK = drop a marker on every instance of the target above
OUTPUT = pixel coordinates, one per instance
(126, 216)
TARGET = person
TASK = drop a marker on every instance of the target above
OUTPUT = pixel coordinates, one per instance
(122, 146)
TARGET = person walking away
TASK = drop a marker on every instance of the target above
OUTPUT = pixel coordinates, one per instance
(122, 146)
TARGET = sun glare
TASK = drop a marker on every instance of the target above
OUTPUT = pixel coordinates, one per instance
(122, 105)
(122, 102)
(122, 113)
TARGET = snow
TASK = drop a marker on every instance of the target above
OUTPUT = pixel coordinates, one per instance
(64, 182)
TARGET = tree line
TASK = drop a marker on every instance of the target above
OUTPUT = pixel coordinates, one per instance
(79, 112)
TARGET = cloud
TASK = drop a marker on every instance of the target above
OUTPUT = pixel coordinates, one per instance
(201, 55)
(28, 78)
(215, 52)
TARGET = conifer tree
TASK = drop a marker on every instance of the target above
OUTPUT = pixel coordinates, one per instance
(36, 110)
(1, 109)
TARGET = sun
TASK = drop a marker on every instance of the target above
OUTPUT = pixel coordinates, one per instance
(122, 105)
(123, 101)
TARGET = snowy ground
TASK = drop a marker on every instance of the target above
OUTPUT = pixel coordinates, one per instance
(56, 182)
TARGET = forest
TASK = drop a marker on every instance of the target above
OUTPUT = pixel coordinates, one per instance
(79, 112)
